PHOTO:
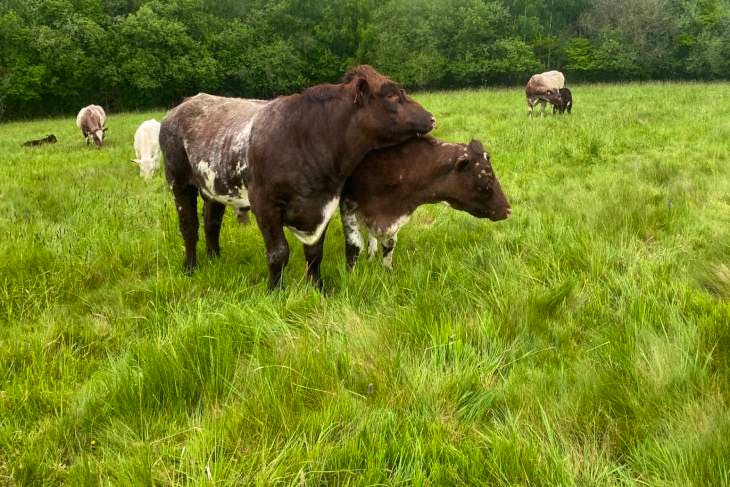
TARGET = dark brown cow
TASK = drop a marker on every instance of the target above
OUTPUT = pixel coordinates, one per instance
(91, 120)
(287, 159)
(48, 139)
(389, 184)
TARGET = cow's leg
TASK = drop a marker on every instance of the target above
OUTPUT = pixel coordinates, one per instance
(353, 238)
(542, 107)
(186, 202)
(212, 221)
(530, 104)
(277, 248)
(372, 246)
(388, 248)
(313, 255)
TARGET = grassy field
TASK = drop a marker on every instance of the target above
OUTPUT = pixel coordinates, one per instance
(584, 341)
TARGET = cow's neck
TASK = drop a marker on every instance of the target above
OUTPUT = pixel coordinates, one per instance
(424, 178)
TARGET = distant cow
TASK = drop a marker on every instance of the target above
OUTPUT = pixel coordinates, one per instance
(566, 101)
(287, 159)
(91, 120)
(543, 88)
(147, 148)
(48, 139)
(388, 186)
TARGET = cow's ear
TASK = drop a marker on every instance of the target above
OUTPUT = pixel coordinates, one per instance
(105, 129)
(462, 162)
(362, 91)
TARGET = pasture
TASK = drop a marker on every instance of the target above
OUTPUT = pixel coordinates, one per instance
(583, 341)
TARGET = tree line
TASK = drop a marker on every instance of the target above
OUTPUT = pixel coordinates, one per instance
(58, 55)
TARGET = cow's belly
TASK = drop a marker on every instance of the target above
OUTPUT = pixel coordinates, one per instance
(231, 191)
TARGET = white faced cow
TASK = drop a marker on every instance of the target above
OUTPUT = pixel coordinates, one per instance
(91, 120)
(147, 148)
(543, 88)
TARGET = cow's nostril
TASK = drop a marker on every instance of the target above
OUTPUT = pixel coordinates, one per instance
(433, 122)
(509, 211)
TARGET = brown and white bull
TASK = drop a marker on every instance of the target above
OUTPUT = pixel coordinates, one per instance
(543, 88)
(388, 186)
(287, 159)
(91, 120)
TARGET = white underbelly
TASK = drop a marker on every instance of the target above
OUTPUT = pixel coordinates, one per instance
(239, 199)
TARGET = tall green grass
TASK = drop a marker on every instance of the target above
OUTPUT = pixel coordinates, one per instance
(584, 341)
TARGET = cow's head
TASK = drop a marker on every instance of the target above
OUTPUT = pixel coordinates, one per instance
(387, 112)
(98, 137)
(147, 167)
(554, 97)
(474, 187)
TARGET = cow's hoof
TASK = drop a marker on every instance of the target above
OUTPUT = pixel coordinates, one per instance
(213, 253)
(189, 269)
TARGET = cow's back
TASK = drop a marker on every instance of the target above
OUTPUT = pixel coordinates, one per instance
(146, 137)
(91, 113)
(210, 127)
(553, 79)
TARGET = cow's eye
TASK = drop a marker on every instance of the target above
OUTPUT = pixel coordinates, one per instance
(394, 97)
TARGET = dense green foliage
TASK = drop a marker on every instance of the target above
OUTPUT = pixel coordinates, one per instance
(584, 341)
(58, 55)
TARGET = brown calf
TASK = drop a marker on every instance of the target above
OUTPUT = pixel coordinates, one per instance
(286, 159)
(388, 186)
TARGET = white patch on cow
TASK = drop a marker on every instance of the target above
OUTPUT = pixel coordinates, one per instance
(352, 230)
(383, 234)
(238, 199)
(310, 238)
(484, 155)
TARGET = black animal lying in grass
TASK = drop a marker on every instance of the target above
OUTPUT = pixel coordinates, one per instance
(48, 139)
(566, 101)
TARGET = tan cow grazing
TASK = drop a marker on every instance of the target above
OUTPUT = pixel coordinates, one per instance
(543, 88)
(147, 148)
(91, 120)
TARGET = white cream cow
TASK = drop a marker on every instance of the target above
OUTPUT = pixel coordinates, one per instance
(147, 148)
(543, 88)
